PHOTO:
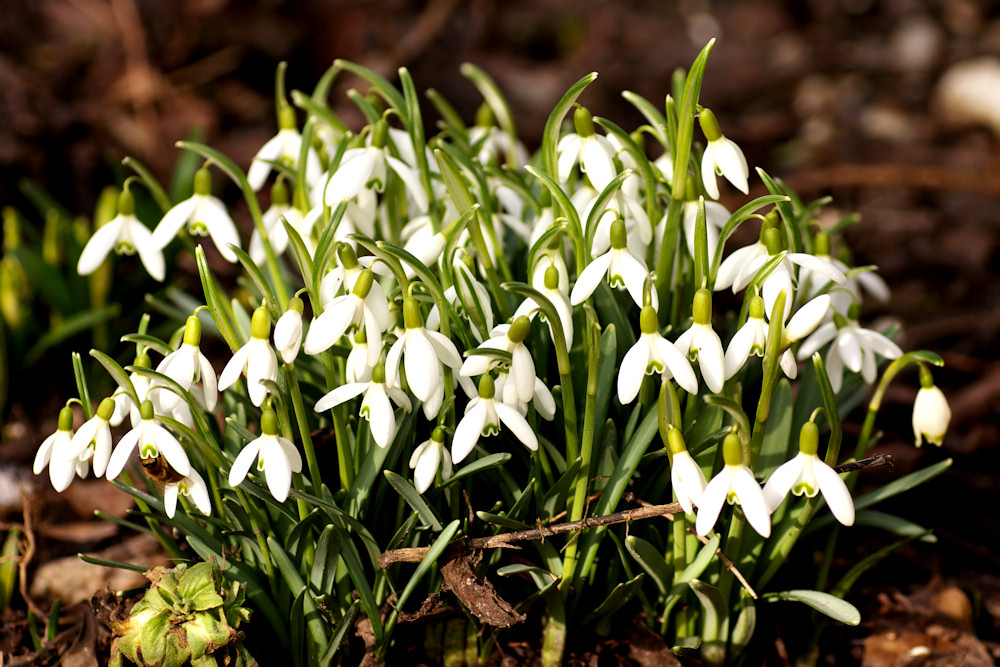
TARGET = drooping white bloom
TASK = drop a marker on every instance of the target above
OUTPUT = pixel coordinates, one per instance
(276, 456)
(375, 407)
(424, 354)
(204, 215)
(780, 277)
(931, 413)
(277, 235)
(652, 353)
(701, 343)
(283, 147)
(187, 365)
(686, 478)
(126, 235)
(808, 474)
(551, 286)
(722, 157)
(356, 368)
(735, 483)
(736, 268)
(593, 152)
(622, 268)
(288, 331)
(751, 338)
(58, 453)
(192, 486)
(473, 293)
(542, 399)
(853, 347)
(508, 338)
(483, 416)
(257, 358)
(427, 458)
(628, 205)
(93, 440)
(364, 308)
(143, 387)
(492, 144)
(153, 440)
(716, 217)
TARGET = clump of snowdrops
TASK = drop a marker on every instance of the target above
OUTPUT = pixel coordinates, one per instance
(436, 340)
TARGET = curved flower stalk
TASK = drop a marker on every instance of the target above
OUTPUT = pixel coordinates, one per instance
(288, 331)
(722, 157)
(274, 455)
(686, 478)
(931, 413)
(652, 353)
(283, 147)
(58, 453)
(734, 484)
(593, 152)
(483, 416)
(192, 486)
(187, 365)
(153, 441)
(204, 215)
(256, 358)
(854, 347)
(364, 308)
(424, 354)
(93, 440)
(807, 474)
(127, 236)
(700, 342)
(430, 456)
(621, 267)
(508, 338)
(375, 406)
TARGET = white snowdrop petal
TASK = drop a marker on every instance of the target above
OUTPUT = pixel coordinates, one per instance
(517, 424)
(807, 318)
(781, 482)
(752, 501)
(231, 373)
(172, 222)
(244, 460)
(712, 500)
(632, 370)
(468, 431)
(836, 493)
(120, 456)
(708, 175)
(98, 247)
(590, 278)
(338, 395)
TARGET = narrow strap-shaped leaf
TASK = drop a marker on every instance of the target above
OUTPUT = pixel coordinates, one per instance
(834, 607)
(616, 599)
(479, 465)
(405, 489)
(498, 105)
(147, 178)
(550, 136)
(293, 579)
(152, 342)
(218, 305)
(259, 281)
(385, 89)
(651, 560)
(81, 384)
(111, 563)
(118, 374)
(346, 623)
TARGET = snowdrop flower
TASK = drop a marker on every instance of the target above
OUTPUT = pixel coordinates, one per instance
(257, 358)
(127, 236)
(365, 168)
(187, 365)
(594, 153)
(867, 281)
(722, 157)
(142, 385)
(191, 485)
(275, 456)
(509, 338)
(472, 292)
(652, 353)
(277, 235)
(701, 343)
(736, 268)
(622, 268)
(629, 206)
(552, 288)
(153, 441)
(424, 354)
(356, 368)
(363, 308)
(686, 478)
(931, 413)
(427, 458)
(483, 416)
(493, 143)
(57, 452)
(716, 217)
(288, 331)
(283, 147)
(375, 406)
(204, 215)
(735, 483)
(346, 274)
(542, 399)
(854, 347)
(808, 474)
(751, 338)
(93, 440)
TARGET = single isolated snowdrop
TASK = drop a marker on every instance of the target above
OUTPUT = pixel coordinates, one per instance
(700, 342)
(58, 453)
(288, 331)
(191, 485)
(153, 441)
(187, 365)
(508, 338)
(93, 440)
(424, 354)
(686, 478)
(127, 236)
(622, 268)
(931, 413)
(364, 308)
(427, 458)
(808, 474)
(375, 407)
(283, 147)
(593, 152)
(483, 416)
(734, 484)
(652, 353)
(257, 358)
(274, 455)
(722, 157)
(853, 347)
(552, 289)
(204, 214)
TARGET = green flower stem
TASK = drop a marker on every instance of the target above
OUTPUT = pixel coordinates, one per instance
(251, 509)
(345, 458)
(665, 264)
(678, 543)
(554, 633)
(302, 421)
(783, 544)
